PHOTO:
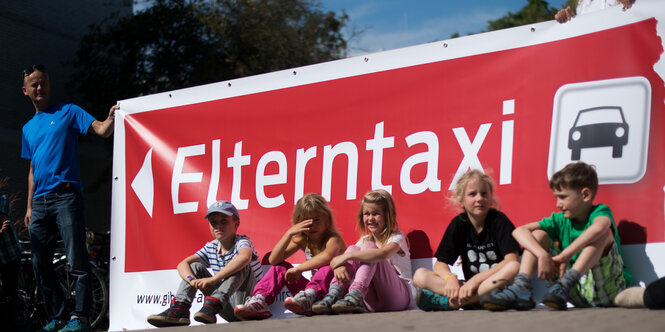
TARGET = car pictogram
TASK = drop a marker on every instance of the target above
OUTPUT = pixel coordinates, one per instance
(598, 127)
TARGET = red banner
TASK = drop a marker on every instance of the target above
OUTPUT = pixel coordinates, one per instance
(411, 130)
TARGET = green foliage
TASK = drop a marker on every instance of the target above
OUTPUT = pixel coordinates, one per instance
(176, 44)
(534, 11)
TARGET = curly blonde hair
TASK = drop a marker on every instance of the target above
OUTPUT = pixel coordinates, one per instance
(457, 196)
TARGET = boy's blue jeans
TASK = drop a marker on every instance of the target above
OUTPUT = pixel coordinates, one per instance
(53, 213)
(231, 291)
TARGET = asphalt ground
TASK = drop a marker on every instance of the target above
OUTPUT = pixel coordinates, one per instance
(537, 320)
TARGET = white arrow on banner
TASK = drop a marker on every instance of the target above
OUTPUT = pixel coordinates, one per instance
(143, 184)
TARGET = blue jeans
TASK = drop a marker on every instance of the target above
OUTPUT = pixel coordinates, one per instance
(53, 213)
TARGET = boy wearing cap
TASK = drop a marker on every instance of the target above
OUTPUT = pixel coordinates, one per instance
(236, 269)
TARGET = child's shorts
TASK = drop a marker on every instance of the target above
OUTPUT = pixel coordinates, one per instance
(603, 281)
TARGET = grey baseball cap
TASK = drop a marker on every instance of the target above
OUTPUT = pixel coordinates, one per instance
(224, 207)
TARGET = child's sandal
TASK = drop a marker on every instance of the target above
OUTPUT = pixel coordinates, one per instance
(351, 303)
(324, 307)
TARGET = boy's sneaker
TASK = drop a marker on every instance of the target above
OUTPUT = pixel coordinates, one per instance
(176, 314)
(429, 301)
(351, 303)
(299, 304)
(208, 313)
(507, 298)
(556, 297)
(74, 325)
(255, 308)
(53, 326)
(324, 307)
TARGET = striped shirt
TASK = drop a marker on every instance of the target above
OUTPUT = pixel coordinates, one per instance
(211, 258)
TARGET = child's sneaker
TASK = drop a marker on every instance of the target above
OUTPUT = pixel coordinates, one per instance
(255, 308)
(76, 324)
(299, 304)
(429, 301)
(556, 297)
(176, 314)
(351, 303)
(208, 313)
(324, 307)
(507, 298)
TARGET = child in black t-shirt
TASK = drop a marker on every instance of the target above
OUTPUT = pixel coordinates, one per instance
(481, 235)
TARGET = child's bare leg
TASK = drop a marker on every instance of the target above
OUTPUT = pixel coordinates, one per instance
(500, 279)
(529, 261)
(592, 253)
(557, 294)
(430, 296)
(519, 294)
(427, 279)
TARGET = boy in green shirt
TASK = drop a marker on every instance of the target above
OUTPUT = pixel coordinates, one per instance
(580, 244)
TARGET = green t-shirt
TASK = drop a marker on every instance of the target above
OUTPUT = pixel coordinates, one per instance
(565, 231)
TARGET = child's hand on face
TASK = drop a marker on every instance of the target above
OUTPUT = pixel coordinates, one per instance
(292, 275)
(5, 224)
(300, 227)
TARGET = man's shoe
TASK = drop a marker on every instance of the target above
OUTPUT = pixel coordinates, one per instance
(75, 325)
(556, 297)
(255, 308)
(507, 298)
(53, 326)
(177, 314)
(208, 313)
(429, 301)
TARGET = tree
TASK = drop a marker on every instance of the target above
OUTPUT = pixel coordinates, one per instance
(176, 44)
(533, 12)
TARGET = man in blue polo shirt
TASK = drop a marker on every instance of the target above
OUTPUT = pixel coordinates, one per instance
(55, 205)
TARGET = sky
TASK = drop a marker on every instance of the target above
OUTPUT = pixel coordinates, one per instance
(391, 24)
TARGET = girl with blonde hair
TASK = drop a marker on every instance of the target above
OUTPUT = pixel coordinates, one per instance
(313, 232)
(376, 271)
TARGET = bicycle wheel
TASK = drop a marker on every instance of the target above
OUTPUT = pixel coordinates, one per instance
(32, 313)
(100, 299)
(100, 294)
